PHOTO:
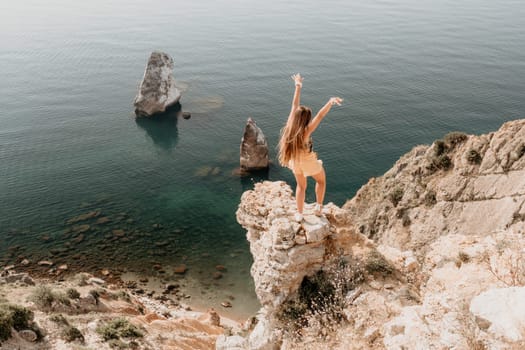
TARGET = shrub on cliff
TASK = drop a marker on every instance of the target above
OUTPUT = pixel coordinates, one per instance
(396, 195)
(454, 138)
(439, 147)
(118, 328)
(474, 157)
(13, 316)
(46, 299)
(321, 299)
(440, 162)
(430, 198)
(71, 333)
(376, 263)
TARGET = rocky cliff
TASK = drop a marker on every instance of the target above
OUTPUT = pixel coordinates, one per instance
(430, 255)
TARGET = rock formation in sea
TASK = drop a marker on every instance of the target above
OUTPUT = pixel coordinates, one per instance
(254, 148)
(157, 90)
(430, 255)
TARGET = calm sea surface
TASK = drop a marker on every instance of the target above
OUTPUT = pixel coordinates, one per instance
(409, 71)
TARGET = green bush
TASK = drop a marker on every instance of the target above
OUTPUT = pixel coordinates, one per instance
(6, 323)
(396, 195)
(59, 319)
(376, 263)
(440, 162)
(71, 333)
(72, 293)
(454, 138)
(13, 316)
(474, 157)
(43, 297)
(430, 198)
(118, 328)
(439, 147)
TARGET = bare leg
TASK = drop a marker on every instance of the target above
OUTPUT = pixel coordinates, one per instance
(300, 191)
(320, 186)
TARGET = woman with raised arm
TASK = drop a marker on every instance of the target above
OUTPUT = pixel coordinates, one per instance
(296, 148)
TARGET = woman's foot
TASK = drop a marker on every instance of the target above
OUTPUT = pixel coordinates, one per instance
(318, 210)
(298, 217)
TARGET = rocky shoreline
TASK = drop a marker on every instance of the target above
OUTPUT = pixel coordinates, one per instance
(89, 303)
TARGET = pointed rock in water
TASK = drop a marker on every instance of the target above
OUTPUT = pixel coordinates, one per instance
(254, 148)
(157, 90)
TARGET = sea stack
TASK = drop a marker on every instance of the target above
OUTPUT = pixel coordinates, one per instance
(254, 148)
(157, 90)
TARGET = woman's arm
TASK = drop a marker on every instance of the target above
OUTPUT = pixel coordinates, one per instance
(322, 113)
(297, 93)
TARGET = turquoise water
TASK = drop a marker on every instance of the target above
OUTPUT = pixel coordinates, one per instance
(409, 71)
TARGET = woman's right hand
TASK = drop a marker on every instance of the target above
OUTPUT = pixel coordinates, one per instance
(298, 79)
(335, 101)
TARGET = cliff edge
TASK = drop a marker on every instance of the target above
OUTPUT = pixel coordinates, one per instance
(429, 255)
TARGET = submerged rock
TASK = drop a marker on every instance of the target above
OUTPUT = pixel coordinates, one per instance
(157, 90)
(254, 148)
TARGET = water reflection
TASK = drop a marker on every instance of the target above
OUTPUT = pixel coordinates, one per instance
(162, 128)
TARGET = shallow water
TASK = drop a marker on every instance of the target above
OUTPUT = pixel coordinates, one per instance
(410, 71)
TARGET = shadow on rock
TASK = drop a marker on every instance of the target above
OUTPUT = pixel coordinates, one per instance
(162, 128)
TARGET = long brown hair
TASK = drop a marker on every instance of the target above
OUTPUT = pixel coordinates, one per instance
(293, 135)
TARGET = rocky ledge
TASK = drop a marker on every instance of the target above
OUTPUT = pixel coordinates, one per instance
(430, 255)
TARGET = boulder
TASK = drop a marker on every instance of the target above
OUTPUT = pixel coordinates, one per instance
(254, 148)
(157, 90)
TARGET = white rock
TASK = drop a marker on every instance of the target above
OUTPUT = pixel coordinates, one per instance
(234, 342)
(504, 308)
(95, 280)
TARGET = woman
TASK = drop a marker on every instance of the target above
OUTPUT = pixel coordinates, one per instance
(295, 148)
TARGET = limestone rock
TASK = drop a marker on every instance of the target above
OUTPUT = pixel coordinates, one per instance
(28, 335)
(254, 148)
(465, 198)
(504, 309)
(455, 240)
(157, 90)
(234, 342)
(96, 281)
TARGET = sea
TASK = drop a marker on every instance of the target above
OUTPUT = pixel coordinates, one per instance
(409, 71)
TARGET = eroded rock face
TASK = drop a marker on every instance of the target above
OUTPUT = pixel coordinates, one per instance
(157, 90)
(452, 231)
(415, 202)
(254, 148)
(286, 251)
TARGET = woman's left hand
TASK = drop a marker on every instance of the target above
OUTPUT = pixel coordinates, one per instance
(298, 79)
(335, 100)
